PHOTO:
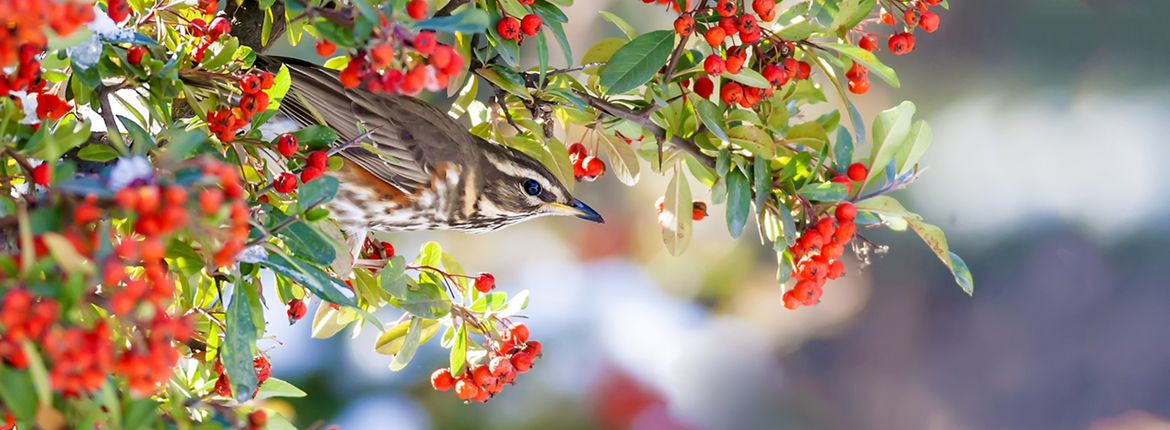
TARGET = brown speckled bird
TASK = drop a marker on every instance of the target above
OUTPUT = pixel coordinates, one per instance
(418, 169)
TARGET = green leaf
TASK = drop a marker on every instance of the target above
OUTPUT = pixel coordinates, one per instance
(762, 179)
(800, 31)
(824, 192)
(315, 136)
(748, 77)
(602, 52)
(506, 80)
(868, 60)
(891, 130)
(409, 345)
(756, 141)
(517, 303)
(712, 118)
(275, 387)
(459, 351)
(636, 62)
(491, 301)
(622, 159)
(469, 20)
(393, 278)
(739, 202)
(240, 342)
(919, 139)
(317, 191)
(620, 23)
(850, 13)
(308, 243)
(18, 394)
(541, 56)
(553, 19)
(936, 240)
(142, 140)
(227, 50)
(97, 152)
(309, 276)
(675, 218)
(842, 149)
(424, 299)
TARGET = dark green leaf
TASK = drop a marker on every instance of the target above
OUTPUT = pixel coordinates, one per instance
(317, 191)
(762, 179)
(842, 149)
(469, 20)
(739, 202)
(824, 192)
(636, 62)
(97, 152)
(312, 278)
(424, 299)
(306, 242)
(315, 136)
(712, 117)
(240, 342)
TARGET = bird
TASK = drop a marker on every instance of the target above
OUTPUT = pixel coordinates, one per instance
(416, 168)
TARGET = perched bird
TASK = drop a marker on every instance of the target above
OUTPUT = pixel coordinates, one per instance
(414, 167)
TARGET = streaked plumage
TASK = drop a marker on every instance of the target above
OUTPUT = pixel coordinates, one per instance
(418, 169)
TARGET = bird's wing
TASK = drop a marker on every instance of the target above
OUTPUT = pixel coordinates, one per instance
(408, 138)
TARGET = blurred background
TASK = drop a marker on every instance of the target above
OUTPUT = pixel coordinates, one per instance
(1050, 120)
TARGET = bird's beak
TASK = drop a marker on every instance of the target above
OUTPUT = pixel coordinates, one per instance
(579, 210)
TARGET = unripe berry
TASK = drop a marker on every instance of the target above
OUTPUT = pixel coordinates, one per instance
(857, 172)
(713, 65)
(715, 36)
(442, 380)
(704, 87)
(530, 25)
(485, 282)
(287, 144)
(846, 211)
(684, 25)
(417, 9)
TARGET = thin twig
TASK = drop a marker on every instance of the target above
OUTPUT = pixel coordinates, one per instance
(615, 111)
(450, 7)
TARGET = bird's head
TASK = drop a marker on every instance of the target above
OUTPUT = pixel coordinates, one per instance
(517, 187)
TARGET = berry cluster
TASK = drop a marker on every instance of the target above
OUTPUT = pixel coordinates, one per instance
(25, 22)
(207, 34)
(672, 4)
(225, 123)
(26, 78)
(816, 255)
(397, 62)
(511, 28)
(316, 164)
(775, 63)
(513, 355)
(585, 166)
(913, 13)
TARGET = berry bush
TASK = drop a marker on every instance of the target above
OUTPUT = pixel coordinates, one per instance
(130, 280)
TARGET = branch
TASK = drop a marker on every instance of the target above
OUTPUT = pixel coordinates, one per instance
(450, 7)
(687, 145)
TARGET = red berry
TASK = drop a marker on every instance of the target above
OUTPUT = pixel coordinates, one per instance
(735, 59)
(910, 17)
(533, 348)
(859, 86)
(868, 42)
(485, 282)
(417, 9)
(731, 93)
(442, 380)
(325, 48)
(577, 152)
(764, 7)
(803, 70)
(521, 361)
(593, 166)
(836, 269)
(441, 57)
(726, 7)
(287, 144)
(466, 390)
(715, 36)
(857, 172)
(519, 333)
(118, 10)
(210, 200)
(41, 174)
(684, 25)
(901, 43)
(258, 419)
(746, 24)
(928, 22)
(134, 54)
(500, 366)
(704, 87)
(846, 211)
(857, 72)
(318, 159)
(425, 42)
(729, 24)
(775, 75)
(267, 79)
(509, 28)
(219, 27)
(285, 183)
(698, 211)
(310, 173)
(790, 300)
(714, 65)
(530, 25)
(841, 179)
(295, 309)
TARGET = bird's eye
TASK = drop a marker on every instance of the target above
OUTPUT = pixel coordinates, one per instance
(531, 187)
